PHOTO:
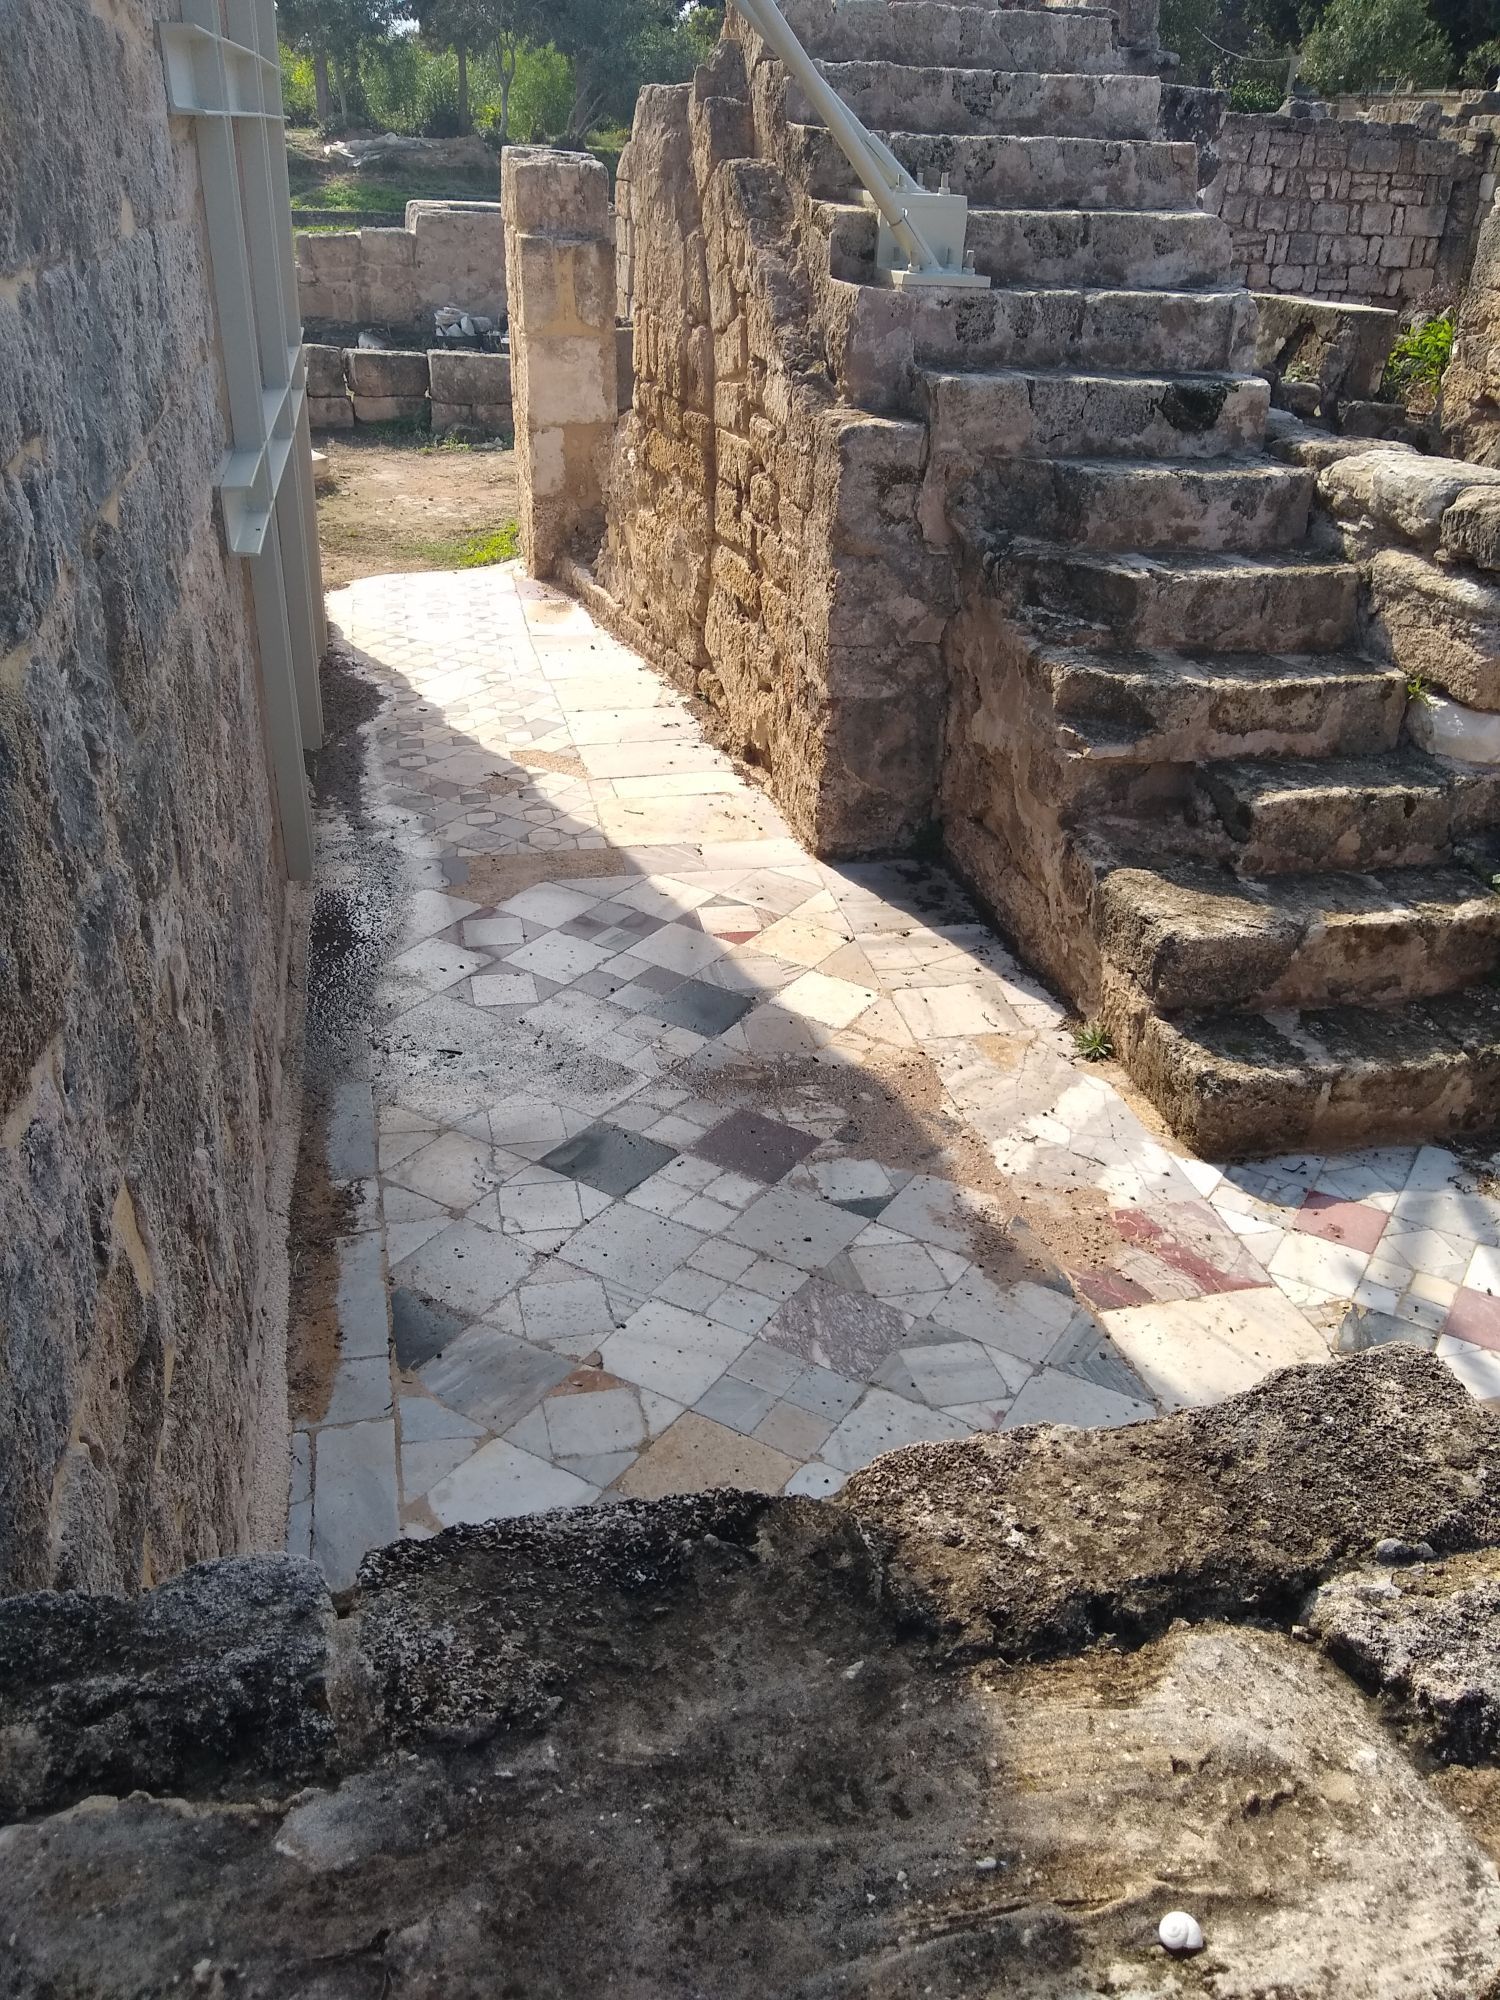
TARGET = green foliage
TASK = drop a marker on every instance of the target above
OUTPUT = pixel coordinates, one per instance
(1258, 90)
(299, 96)
(1360, 43)
(1419, 357)
(1417, 688)
(1480, 65)
(540, 98)
(1094, 1042)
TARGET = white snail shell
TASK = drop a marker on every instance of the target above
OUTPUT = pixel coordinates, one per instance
(1180, 1932)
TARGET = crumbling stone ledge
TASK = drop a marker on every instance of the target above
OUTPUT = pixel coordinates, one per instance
(973, 1728)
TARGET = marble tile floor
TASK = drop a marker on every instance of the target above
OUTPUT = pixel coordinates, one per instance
(684, 1159)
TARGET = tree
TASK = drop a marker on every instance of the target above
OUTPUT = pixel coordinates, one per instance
(613, 46)
(1360, 43)
(463, 26)
(332, 32)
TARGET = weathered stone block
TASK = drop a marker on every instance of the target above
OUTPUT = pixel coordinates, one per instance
(1399, 493)
(389, 409)
(330, 413)
(1471, 528)
(379, 371)
(325, 369)
(467, 378)
(1439, 625)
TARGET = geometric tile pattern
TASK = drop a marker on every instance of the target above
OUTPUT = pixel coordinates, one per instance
(703, 1162)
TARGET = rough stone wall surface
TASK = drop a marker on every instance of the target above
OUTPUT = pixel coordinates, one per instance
(143, 909)
(763, 541)
(1331, 208)
(448, 253)
(1471, 385)
(973, 1726)
(559, 248)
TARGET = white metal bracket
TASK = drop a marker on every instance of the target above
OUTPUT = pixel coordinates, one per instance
(224, 73)
(920, 238)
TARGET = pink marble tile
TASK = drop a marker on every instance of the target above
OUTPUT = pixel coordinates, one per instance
(1475, 1317)
(1351, 1222)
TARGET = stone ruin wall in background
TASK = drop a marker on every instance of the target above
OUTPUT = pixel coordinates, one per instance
(448, 253)
(143, 911)
(1340, 209)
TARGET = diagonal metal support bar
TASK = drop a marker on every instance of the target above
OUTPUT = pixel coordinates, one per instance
(921, 240)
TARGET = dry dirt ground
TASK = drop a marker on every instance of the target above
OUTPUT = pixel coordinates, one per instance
(399, 502)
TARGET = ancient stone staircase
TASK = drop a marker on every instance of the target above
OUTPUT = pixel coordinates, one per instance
(1171, 767)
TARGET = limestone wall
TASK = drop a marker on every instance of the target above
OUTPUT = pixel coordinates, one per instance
(448, 253)
(1471, 386)
(762, 540)
(1332, 208)
(143, 908)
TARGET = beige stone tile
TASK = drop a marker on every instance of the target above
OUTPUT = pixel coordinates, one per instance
(1192, 1352)
(696, 1453)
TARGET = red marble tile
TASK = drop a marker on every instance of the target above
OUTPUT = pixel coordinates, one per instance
(1192, 1242)
(1338, 1221)
(1107, 1290)
(1475, 1317)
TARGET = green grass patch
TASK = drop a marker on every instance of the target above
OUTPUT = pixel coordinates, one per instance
(472, 551)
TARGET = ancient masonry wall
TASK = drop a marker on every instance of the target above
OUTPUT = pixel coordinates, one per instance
(143, 910)
(448, 253)
(1335, 209)
(1471, 385)
(762, 541)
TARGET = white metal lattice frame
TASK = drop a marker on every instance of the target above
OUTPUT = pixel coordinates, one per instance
(222, 71)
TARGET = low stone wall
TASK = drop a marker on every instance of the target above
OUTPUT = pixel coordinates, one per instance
(446, 388)
(448, 253)
(1333, 208)
(146, 927)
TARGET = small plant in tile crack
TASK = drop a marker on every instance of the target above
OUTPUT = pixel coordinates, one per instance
(1094, 1042)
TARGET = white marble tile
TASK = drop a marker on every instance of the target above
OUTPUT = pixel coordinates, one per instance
(1192, 1352)
(882, 1422)
(677, 1353)
(499, 1482)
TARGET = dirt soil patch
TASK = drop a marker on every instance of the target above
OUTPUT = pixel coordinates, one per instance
(401, 503)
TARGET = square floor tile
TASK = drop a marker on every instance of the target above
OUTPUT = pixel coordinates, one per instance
(493, 1377)
(499, 1482)
(549, 903)
(696, 1454)
(631, 1247)
(707, 1010)
(609, 1158)
(677, 1353)
(796, 1229)
(557, 957)
(419, 1329)
(747, 1143)
(464, 1267)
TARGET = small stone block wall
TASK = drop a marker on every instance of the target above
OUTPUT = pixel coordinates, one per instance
(448, 253)
(560, 257)
(372, 385)
(1331, 208)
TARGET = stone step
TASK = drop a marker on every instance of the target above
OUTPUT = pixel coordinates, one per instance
(1080, 41)
(1155, 249)
(931, 98)
(1291, 816)
(877, 334)
(1058, 412)
(1237, 1086)
(1175, 708)
(1289, 603)
(1150, 504)
(1195, 937)
(1011, 170)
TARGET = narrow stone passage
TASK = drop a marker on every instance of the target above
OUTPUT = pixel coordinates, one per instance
(705, 1163)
